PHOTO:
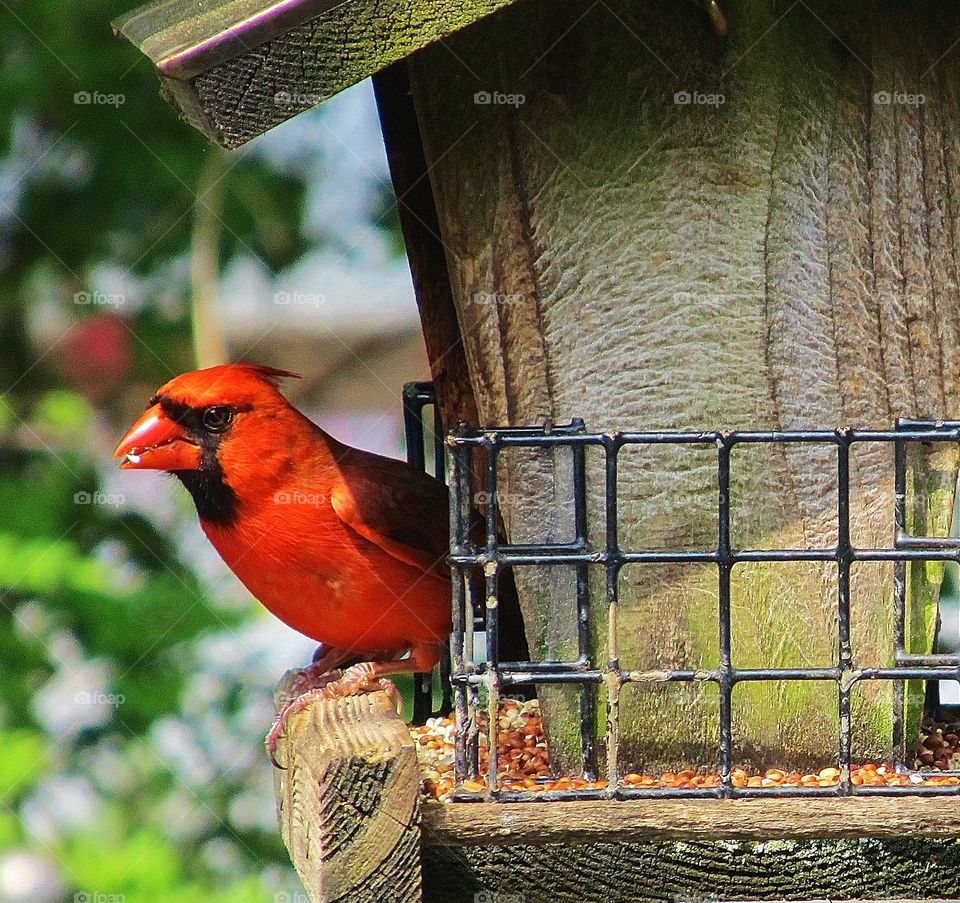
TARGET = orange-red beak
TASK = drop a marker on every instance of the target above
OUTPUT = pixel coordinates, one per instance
(155, 442)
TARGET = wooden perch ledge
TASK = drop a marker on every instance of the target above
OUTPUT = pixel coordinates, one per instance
(349, 801)
(352, 819)
(490, 824)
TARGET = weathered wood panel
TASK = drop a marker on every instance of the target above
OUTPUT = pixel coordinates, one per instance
(649, 227)
(497, 824)
(421, 231)
(236, 68)
(349, 801)
(694, 872)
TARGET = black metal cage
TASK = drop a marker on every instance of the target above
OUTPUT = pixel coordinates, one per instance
(583, 552)
(416, 397)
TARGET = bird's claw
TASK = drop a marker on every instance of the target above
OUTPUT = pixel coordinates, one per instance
(362, 679)
(302, 680)
(353, 682)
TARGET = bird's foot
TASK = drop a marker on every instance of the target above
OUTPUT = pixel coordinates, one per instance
(363, 678)
(327, 665)
(354, 681)
(302, 680)
(302, 689)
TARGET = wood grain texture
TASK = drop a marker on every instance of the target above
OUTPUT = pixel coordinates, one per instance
(628, 821)
(623, 248)
(438, 315)
(694, 872)
(268, 80)
(425, 252)
(349, 801)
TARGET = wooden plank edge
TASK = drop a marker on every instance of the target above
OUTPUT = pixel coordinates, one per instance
(182, 43)
(348, 801)
(493, 824)
(186, 49)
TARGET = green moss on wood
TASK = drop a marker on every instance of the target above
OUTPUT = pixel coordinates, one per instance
(758, 264)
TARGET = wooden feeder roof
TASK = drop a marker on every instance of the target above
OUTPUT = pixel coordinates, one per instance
(236, 68)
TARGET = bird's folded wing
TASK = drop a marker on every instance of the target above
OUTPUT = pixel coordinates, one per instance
(403, 513)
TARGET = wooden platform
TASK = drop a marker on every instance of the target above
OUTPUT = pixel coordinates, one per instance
(357, 831)
(479, 824)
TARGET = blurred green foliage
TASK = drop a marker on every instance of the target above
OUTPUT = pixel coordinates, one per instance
(95, 182)
(83, 580)
(51, 537)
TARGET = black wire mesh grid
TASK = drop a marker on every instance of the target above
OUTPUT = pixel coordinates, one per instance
(496, 676)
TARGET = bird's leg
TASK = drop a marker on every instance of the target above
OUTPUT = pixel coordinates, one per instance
(717, 19)
(324, 668)
(326, 661)
(368, 677)
(371, 676)
(364, 677)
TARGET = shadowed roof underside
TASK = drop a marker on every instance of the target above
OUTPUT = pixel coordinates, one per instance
(235, 68)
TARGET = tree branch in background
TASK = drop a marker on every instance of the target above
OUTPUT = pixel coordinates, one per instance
(208, 343)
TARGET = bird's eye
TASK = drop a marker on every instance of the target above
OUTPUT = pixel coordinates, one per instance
(217, 418)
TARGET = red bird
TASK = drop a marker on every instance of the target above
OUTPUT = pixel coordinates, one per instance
(345, 546)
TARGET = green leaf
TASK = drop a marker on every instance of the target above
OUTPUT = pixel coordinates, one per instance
(63, 411)
(22, 763)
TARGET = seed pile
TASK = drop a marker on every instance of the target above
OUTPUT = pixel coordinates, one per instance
(940, 746)
(524, 763)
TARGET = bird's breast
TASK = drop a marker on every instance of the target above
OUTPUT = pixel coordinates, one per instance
(331, 584)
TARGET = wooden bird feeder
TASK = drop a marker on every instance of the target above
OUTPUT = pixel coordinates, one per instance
(649, 218)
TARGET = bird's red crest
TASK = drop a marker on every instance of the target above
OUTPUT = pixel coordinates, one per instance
(269, 374)
(240, 383)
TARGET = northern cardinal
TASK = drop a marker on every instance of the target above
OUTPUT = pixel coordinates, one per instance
(345, 546)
